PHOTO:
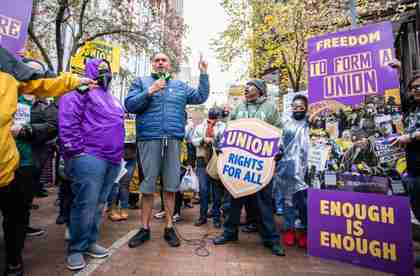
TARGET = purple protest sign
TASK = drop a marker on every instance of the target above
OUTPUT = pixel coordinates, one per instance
(367, 230)
(14, 20)
(345, 67)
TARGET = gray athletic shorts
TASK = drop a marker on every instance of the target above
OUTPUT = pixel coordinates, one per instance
(160, 158)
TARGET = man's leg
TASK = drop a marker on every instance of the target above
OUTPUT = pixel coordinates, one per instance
(265, 217)
(151, 162)
(150, 153)
(232, 221)
(178, 203)
(169, 199)
(251, 215)
(146, 210)
(171, 173)
(203, 191)
(217, 191)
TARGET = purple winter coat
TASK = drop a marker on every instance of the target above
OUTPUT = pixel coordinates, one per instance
(92, 123)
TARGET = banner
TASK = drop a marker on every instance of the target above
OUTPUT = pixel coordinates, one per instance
(246, 164)
(96, 49)
(14, 20)
(346, 67)
(362, 229)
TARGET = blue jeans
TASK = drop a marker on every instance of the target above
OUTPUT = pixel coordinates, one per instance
(91, 185)
(120, 190)
(208, 186)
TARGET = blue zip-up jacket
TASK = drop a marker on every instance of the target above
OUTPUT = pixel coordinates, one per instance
(163, 114)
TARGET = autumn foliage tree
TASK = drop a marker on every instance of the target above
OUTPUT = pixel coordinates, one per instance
(59, 28)
(273, 34)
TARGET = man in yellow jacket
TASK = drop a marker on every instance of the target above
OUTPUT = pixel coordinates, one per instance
(17, 78)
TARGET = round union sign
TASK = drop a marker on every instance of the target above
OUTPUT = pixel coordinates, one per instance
(246, 164)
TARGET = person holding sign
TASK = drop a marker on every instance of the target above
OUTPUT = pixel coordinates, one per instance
(18, 78)
(291, 169)
(256, 106)
(411, 141)
(159, 103)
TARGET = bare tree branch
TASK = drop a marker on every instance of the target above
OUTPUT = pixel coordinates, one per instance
(58, 33)
(111, 32)
(41, 48)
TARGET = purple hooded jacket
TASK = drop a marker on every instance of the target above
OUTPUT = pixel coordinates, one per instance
(92, 123)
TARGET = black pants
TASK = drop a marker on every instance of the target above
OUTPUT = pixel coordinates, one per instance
(65, 197)
(15, 202)
(263, 200)
(251, 208)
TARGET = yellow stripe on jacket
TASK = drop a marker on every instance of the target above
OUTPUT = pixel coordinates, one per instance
(9, 89)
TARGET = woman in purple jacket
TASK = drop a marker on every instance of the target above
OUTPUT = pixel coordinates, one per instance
(91, 131)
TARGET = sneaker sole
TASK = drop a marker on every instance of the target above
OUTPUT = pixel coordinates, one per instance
(138, 245)
(174, 245)
(36, 234)
(78, 267)
(97, 256)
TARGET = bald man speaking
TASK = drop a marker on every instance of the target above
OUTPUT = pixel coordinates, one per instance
(159, 103)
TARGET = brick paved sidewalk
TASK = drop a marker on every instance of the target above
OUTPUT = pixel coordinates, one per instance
(46, 256)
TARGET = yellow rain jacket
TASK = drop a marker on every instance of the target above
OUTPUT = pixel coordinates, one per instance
(9, 90)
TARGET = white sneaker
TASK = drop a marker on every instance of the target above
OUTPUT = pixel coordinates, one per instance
(159, 215)
(67, 234)
(176, 218)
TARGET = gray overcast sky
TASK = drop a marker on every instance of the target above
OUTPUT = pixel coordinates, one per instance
(205, 19)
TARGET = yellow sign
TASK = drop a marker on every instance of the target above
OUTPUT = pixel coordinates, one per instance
(96, 49)
(130, 130)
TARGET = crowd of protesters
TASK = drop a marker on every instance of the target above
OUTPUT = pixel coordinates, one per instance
(100, 169)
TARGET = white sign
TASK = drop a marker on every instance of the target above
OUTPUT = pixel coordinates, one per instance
(22, 115)
(318, 156)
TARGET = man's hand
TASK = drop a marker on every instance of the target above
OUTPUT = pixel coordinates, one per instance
(156, 86)
(203, 65)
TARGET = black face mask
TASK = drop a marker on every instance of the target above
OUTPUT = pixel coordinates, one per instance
(104, 79)
(299, 115)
